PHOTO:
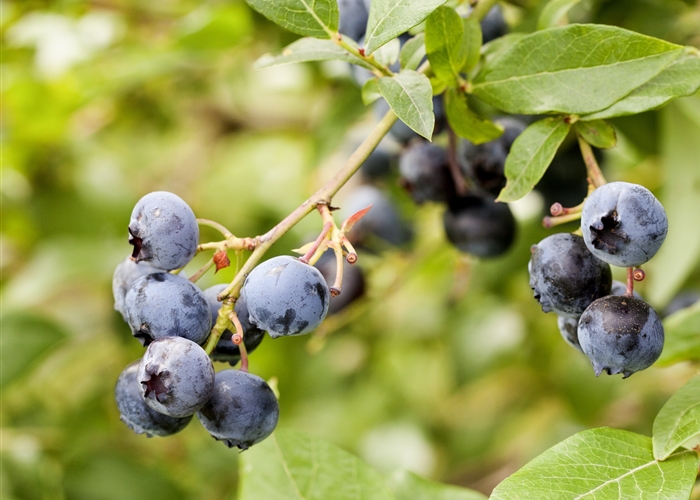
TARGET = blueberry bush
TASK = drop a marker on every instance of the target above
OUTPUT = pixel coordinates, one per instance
(380, 187)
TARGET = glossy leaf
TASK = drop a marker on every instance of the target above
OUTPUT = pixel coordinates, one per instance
(413, 52)
(411, 97)
(597, 133)
(389, 18)
(315, 18)
(574, 69)
(530, 155)
(310, 49)
(554, 12)
(293, 465)
(444, 44)
(465, 122)
(602, 463)
(408, 486)
(680, 78)
(678, 421)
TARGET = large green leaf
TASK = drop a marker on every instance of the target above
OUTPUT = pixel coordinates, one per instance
(678, 79)
(554, 12)
(389, 18)
(680, 151)
(291, 465)
(602, 463)
(316, 18)
(411, 97)
(573, 69)
(465, 122)
(682, 336)
(25, 339)
(445, 44)
(530, 155)
(311, 49)
(678, 421)
(408, 486)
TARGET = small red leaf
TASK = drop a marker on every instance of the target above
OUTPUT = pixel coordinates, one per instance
(221, 260)
(353, 219)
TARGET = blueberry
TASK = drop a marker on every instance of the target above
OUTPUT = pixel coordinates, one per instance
(378, 164)
(565, 276)
(565, 180)
(352, 18)
(620, 335)
(493, 25)
(681, 301)
(166, 305)
(623, 224)
(225, 349)
(382, 221)
(568, 327)
(286, 296)
(124, 276)
(163, 231)
(478, 225)
(134, 411)
(176, 376)
(425, 172)
(353, 281)
(485, 163)
(242, 410)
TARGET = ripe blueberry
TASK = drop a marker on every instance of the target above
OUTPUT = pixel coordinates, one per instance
(352, 18)
(382, 221)
(425, 172)
(124, 276)
(353, 281)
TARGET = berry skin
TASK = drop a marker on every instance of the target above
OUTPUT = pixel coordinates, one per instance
(485, 163)
(568, 327)
(136, 414)
(382, 221)
(225, 349)
(242, 410)
(163, 230)
(167, 305)
(352, 18)
(565, 276)
(176, 376)
(124, 276)
(425, 172)
(353, 281)
(478, 225)
(620, 335)
(623, 224)
(286, 296)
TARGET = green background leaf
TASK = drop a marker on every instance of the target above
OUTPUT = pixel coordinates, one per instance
(411, 97)
(530, 155)
(408, 486)
(370, 91)
(553, 13)
(602, 463)
(678, 421)
(413, 52)
(315, 18)
(389, 18)
(292, 465)
(310, 49)
(682, 336)
(465, 122)
(445, 44)
(575, 69)
(597, 133)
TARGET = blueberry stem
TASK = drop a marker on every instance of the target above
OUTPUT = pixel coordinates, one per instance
(202, 270)
(595, 175)
(215, 225)
(309, 255)
(457, 177)
(630, 282)
(550, 222)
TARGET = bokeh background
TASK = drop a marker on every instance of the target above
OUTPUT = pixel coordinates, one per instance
(446, 367)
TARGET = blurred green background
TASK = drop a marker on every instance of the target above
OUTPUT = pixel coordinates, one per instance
(447, 367)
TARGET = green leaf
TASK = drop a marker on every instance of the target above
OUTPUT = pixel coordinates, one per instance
(370, 91)
(597, 133)
(389, 18)
(408, 486)
(500, 46)
(680, 253)
(554, 12)
(316, 18)
(388, 53)
(25, 338)
(472, 41)
(602, 463)
(310, 49)
(575, 69)
(680, 78)
(678, 421)
(682, 336)
(292, 465)
(445, 44)
(465, 122)
(411, 97)
(530, 155)
(413, 52)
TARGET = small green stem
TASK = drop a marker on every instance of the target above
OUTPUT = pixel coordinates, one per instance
(383, 70)
(550, 222)
(594, 173)
(215, 225)
(222, 323)
(195, 277)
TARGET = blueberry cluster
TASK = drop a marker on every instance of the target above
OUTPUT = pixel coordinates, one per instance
(170, 316)
(623, 225)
